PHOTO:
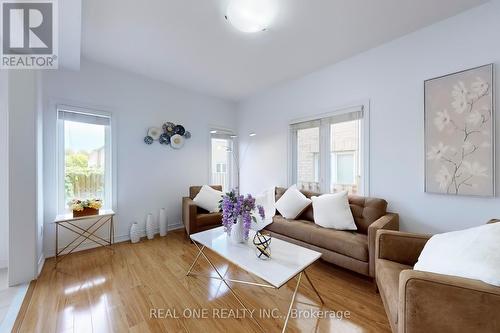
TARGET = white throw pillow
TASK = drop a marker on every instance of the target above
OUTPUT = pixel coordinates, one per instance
(333, 211)
(266, 199)
(472, 253)
(208, 199)
(292, 203)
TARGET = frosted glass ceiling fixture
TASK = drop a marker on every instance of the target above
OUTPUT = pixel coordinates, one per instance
(251, 15)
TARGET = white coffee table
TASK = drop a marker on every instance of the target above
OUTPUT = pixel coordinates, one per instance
(287, 261)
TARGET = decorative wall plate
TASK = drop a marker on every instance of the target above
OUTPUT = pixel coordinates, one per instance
(179, 129)
(177, 141)
(169, 128)
(169, 134)
(154, 132)
(164, 139)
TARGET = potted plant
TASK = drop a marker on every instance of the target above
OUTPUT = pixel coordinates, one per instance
(85, 207)
(238, 213)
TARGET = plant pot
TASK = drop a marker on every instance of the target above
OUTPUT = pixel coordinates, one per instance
(86, 212)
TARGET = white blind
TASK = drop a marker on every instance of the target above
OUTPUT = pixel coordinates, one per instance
(223, 134)
(306, 124)
(349, 114)
(81, 116)
(343, 117)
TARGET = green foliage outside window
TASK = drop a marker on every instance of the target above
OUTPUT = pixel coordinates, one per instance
(81, 180)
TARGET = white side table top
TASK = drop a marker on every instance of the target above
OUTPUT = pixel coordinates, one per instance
(287, 259)
(69, 216)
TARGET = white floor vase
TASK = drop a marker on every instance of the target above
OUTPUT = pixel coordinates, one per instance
(150, 227)
(135, 233)
(163, 222)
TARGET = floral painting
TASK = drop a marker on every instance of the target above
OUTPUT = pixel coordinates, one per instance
(459, 133)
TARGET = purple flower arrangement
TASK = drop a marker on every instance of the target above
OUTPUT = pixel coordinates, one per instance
(234, 206)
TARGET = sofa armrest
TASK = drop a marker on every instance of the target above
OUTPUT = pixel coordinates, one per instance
(389, 221)
(401, 247)
(441, 303)
(189, 212)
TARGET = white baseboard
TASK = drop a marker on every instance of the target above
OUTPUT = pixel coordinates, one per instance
(4, 263)
(41, 262)
(118, 239)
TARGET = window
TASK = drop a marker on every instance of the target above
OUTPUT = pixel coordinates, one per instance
(308, 158)
(327, 153)
(223, 160)
(221, 168)
(84, 138)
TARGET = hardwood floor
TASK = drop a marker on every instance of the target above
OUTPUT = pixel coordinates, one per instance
(102, 290)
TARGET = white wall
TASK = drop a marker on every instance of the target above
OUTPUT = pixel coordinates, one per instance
(391, 77)
(22, 176)
(4, 170)
(149, 177)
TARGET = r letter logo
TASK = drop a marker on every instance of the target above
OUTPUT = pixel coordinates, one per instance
(29, 34)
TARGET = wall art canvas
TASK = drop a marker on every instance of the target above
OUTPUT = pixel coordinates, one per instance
(460, 133)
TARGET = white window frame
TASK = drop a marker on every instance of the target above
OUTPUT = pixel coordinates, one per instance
(110, 196)
(232, 166)
(325, 153)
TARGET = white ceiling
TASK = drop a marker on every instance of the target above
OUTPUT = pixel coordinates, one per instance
(189, 43)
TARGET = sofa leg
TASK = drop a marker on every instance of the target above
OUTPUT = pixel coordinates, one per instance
(375, 286)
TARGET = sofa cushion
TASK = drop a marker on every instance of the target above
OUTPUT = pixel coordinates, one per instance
(209, 219)
(296, 229)
(292, 203)
(364, 210)
(307, 214)
(208, 198)
(333, 211)
(194, 190)
(348, 243)
(388, 283)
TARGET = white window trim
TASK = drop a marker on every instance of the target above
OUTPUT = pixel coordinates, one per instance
(111, 165)
(325, 137)
(225, 133)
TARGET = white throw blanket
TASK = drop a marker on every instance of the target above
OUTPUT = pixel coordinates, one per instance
(266, 199)
(472, 253)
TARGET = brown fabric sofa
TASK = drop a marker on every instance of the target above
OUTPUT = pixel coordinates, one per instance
(197, 219)
(348, 249)
(425, 302)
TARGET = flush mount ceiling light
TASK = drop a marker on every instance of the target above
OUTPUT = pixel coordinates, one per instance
(251, 15)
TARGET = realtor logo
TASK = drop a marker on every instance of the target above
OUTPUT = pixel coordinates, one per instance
(29, 34)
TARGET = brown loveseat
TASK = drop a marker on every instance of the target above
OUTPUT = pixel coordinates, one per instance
(197, 219)
(348, 249)
(425, 302)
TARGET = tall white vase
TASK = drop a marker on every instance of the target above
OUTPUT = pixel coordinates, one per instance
(237, 235)
(163, 222)
(135, 233)
(150, 227)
